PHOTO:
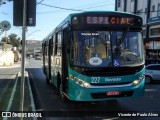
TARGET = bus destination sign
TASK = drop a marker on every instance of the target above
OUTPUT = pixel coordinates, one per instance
(112, 20)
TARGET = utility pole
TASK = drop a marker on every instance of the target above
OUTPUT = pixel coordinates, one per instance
(6, 37)
(24, 14)
(23, 57)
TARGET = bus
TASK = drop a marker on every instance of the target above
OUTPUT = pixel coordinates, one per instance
(95, 56)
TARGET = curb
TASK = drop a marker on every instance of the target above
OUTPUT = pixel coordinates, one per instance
(31, 95)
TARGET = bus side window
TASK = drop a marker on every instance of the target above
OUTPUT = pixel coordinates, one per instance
(58, 43)
(50, 46)
(55, 50)
(46, 49)
(53, 44)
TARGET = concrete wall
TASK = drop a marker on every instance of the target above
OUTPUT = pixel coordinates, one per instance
(6, 58)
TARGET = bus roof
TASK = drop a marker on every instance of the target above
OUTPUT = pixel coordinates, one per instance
(69, 18)
(101, 12)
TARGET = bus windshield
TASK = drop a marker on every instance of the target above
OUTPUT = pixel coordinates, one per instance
(106, 49)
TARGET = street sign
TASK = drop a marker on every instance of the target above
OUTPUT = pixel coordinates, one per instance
(5, 25)
(18, 13)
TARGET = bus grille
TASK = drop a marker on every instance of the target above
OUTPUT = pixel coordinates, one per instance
(107, 84)
(104, 95)
(106, 73)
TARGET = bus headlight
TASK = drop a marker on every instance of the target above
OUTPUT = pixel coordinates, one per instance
(136, 82)
(81, 82)
(86, 85)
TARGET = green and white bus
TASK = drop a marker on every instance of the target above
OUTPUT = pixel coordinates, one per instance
(93, 56)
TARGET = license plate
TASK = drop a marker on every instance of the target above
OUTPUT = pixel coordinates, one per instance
(113, 93)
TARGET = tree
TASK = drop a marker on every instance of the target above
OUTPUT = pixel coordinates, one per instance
(13, 40)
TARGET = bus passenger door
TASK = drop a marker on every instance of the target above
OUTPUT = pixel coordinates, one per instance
(64, 81)
(57, 59)
(50, 52)
(54, 64)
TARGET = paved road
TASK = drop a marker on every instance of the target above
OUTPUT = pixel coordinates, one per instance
(7, 81)
(47, 99)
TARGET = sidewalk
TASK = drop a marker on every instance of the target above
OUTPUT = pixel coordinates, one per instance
(15, 65)
(15, 97)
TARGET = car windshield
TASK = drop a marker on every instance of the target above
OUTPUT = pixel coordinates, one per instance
(106, 48)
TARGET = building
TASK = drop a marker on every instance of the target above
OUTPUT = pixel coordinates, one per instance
(32, 45)
(149, 10)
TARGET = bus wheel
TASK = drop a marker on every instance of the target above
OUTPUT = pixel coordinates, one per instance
(48, 81)
(63, 97)
(58, 81)
(43, 70)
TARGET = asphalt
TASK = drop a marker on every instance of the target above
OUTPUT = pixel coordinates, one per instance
(19, 104)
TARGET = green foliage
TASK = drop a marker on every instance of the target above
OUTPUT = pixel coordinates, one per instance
(12, 39)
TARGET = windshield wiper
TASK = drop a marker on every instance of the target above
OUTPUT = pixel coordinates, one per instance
(120, 40)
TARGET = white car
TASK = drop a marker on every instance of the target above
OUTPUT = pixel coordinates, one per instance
(152, 72)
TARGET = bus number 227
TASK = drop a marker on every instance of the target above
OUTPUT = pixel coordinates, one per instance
(95, 79)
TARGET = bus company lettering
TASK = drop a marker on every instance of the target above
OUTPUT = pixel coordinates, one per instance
(109, 20)
(88, 34)
(112, 79)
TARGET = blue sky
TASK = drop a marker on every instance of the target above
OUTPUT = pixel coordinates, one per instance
(47, 18)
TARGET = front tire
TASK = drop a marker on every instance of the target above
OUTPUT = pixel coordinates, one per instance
(48, 80)
(63, 97)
